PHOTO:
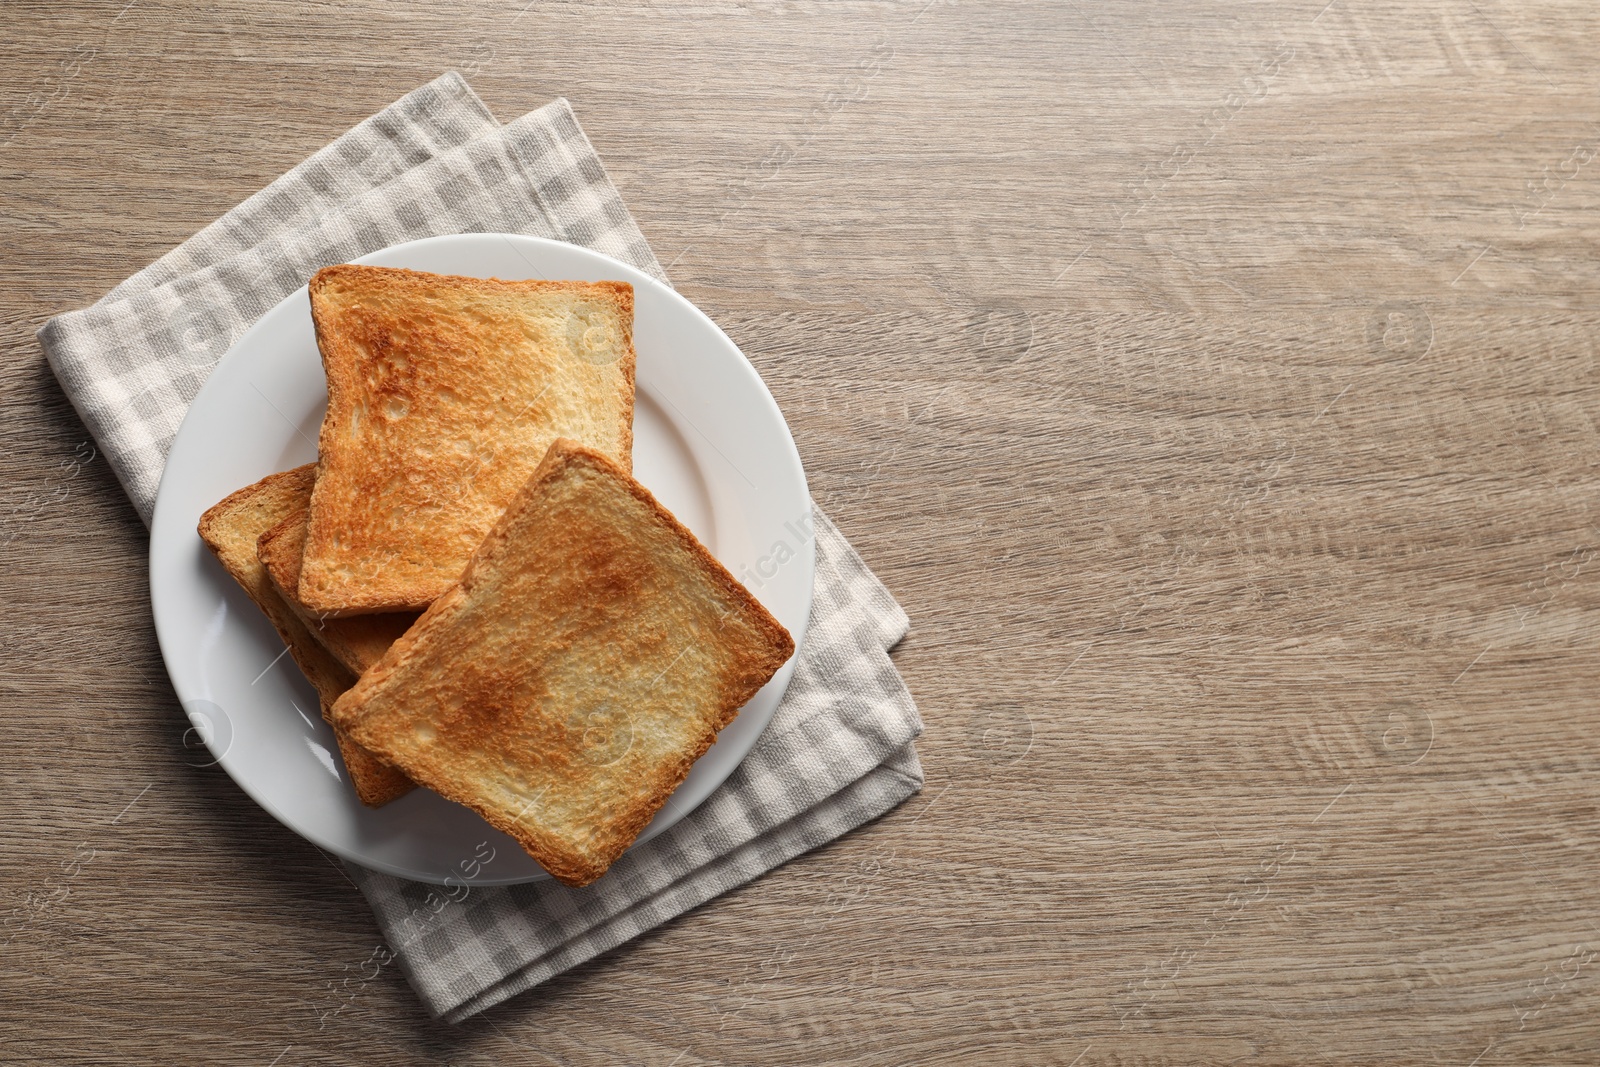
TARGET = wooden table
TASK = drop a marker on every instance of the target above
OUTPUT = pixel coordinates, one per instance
(1215, 385)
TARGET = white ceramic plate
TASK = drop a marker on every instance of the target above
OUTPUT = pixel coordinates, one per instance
(708, 440)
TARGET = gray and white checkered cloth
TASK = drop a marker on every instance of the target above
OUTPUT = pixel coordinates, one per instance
(838, 752)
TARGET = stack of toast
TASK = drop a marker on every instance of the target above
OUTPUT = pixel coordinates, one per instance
(485, 600)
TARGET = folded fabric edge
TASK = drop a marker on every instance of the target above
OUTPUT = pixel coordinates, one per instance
(534, 144)
(869, 798)
(890, 618)
(421, 106)
(874, 732)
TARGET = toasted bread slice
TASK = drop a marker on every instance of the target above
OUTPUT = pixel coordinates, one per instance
(443, 394)
(564, 687)
(356, 642)
(230, 529)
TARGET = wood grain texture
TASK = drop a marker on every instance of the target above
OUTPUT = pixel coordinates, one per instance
(1214, 384)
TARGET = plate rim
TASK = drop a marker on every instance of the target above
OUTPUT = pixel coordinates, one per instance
(165, 503)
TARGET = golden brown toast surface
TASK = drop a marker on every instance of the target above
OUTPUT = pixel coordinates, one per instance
(358, 641)
(231, 529)
(564, 687)
(443, 394)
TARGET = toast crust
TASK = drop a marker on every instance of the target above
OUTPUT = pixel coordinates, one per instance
(511, 723)
(443, 394)
(358, 641)
(230, 530)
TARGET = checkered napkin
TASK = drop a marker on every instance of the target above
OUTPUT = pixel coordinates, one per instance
(838, 751)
